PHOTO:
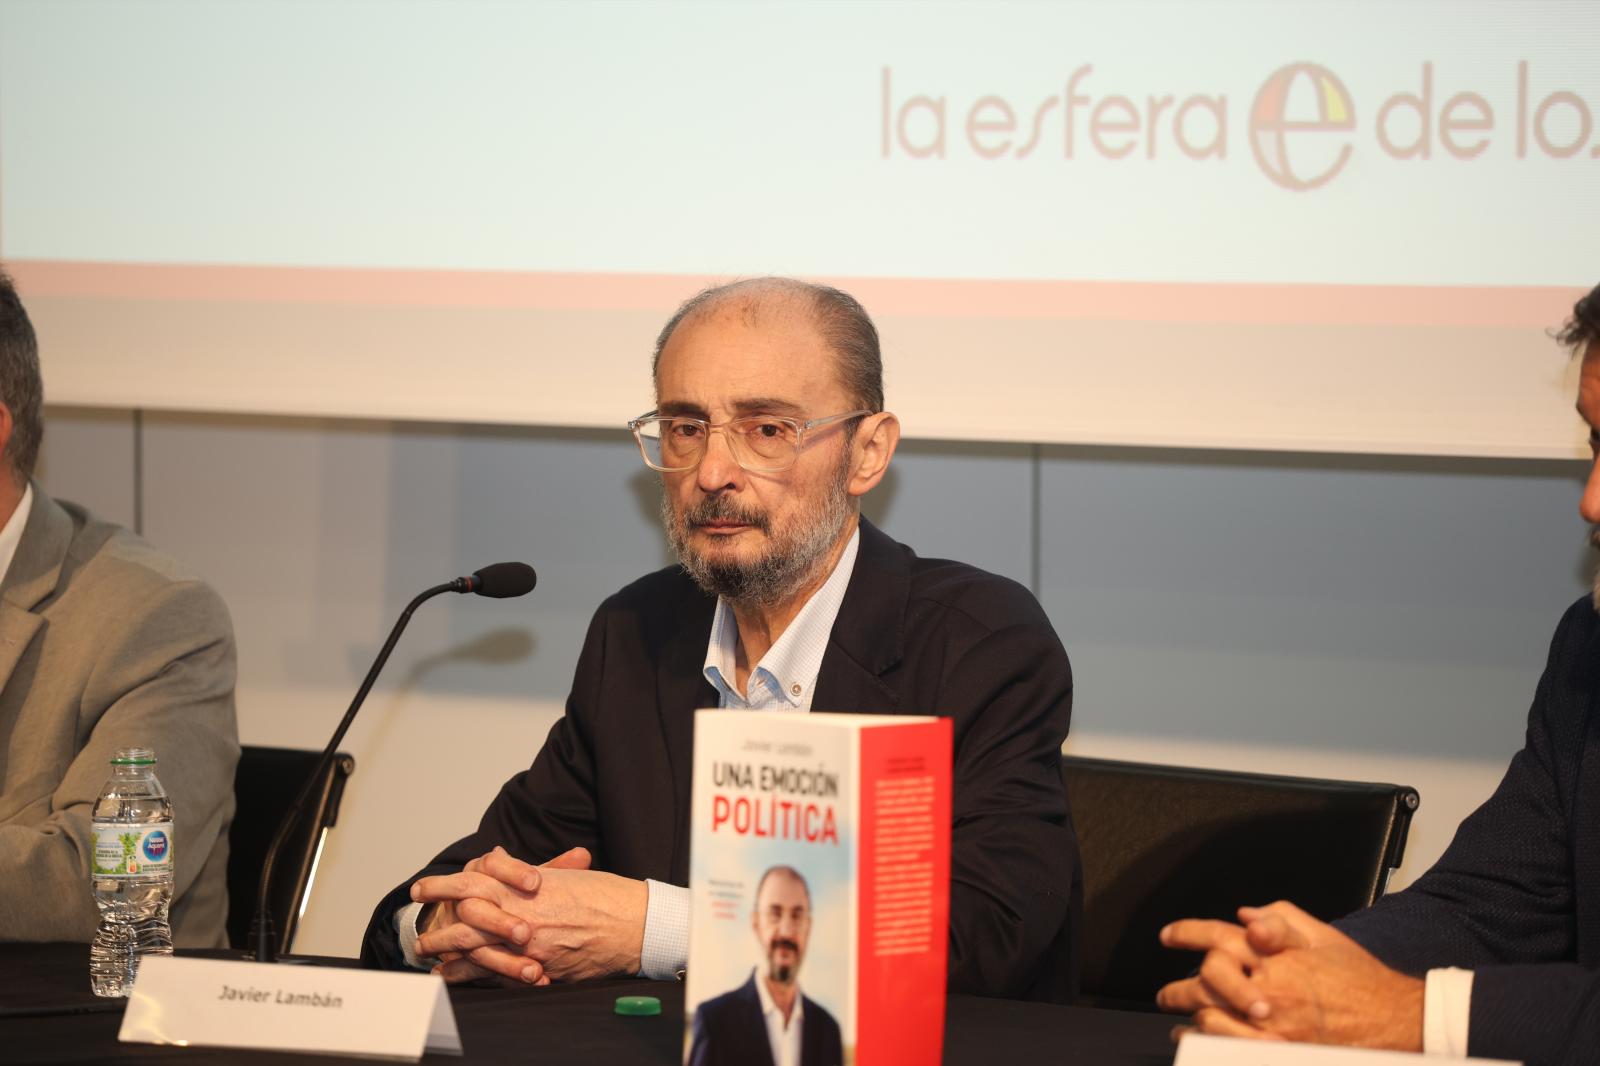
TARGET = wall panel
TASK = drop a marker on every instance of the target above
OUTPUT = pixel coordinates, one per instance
(1377, 619)
(1335, 617)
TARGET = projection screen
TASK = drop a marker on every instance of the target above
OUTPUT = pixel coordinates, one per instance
(1306, 226)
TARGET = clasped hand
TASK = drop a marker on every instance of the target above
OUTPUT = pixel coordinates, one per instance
(1283, 975)
(503, 919)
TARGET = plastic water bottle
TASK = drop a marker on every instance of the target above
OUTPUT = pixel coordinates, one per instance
(132, 872)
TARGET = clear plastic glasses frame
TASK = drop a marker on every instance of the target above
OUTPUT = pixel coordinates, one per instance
(762, 444)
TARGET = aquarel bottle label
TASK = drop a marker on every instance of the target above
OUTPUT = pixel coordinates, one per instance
(132, 850)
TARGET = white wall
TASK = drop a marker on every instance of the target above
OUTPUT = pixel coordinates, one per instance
(1378, 619)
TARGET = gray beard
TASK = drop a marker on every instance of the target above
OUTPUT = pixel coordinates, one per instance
(793, 559)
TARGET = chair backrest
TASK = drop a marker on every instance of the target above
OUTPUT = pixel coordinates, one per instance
(1166, 842)
(264, 787)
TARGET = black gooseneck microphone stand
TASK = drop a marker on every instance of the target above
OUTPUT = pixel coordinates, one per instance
(502, 580)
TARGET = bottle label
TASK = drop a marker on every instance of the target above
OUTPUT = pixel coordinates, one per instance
(132, 850)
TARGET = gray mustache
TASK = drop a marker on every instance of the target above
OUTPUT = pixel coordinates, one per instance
(719, 509)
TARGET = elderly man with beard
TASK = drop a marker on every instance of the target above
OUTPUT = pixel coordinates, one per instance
(768, 1015)
(769, 426)
(1495, 951)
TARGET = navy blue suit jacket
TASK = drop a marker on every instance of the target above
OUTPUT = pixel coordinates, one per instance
(730, 1031)
(1516, 897)
(913, 636)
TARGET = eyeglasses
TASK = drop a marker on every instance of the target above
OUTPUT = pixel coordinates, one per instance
(761, 444)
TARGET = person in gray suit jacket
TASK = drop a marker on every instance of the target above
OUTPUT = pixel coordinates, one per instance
(104, 643)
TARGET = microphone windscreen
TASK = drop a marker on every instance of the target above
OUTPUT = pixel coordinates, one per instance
(502, 581)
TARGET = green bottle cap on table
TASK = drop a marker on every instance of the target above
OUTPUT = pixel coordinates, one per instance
(638, 1006)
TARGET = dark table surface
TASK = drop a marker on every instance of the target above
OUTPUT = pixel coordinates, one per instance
(47, 1014)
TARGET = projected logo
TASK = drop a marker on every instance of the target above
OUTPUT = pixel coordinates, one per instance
(1294, 113)
(1301, 125)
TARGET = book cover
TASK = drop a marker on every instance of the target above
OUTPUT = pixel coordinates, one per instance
(820, 880)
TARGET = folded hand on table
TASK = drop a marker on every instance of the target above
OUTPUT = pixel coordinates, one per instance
(1283, 975)
(501, 918)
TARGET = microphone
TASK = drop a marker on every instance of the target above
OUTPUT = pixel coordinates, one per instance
(502, 581)
(499, 581)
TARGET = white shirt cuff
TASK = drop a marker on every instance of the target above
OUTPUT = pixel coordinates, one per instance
(1446, 1006)
(666, 931)
(405, 924)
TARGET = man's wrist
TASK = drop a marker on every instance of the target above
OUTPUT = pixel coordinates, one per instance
(406, 929)
(635, 934)
(1407, 1028)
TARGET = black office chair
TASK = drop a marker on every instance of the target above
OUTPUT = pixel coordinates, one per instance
(264, 786)
(1166, 842)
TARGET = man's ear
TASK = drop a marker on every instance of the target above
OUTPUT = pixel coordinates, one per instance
(7, 426)
(872, 447)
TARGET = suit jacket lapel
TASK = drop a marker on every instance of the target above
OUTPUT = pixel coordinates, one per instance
(1585, 819)
(754, 1024)
(34, 573)
(813, 1052)
(868, 635)
(681, 689)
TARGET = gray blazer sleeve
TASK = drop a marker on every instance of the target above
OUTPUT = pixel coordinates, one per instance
(154, 671)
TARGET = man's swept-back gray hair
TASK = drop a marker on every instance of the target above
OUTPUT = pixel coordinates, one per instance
(20, 387)
(1583, 328)
(839, 318)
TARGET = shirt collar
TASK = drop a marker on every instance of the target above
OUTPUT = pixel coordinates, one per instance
(11, 534)
(769, 1008)
(787, 673)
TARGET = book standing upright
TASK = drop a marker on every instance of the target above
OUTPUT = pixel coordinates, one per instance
(820, 879)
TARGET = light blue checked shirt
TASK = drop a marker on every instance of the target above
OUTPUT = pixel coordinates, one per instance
(783, 680)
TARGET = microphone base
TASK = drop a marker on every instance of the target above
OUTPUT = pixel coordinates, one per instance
(262, 944)
(281, 960)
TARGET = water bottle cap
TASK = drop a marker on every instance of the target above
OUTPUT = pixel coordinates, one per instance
(134, 757)
(638, 1006)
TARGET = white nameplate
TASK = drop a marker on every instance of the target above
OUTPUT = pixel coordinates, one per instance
(1199, 1049)
(227, 1003)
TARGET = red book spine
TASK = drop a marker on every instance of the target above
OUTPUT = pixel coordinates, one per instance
(904, 882)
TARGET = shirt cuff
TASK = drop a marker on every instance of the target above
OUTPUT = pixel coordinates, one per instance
(405, 924)
(666, 931)
(1446, 1006)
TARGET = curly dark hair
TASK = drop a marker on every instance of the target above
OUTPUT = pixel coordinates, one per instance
(1583, 328)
